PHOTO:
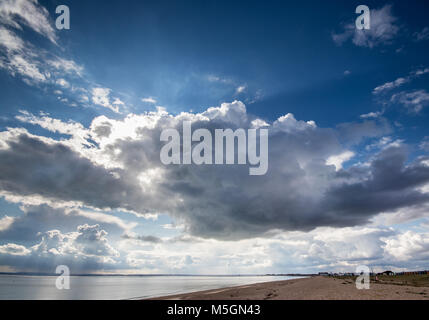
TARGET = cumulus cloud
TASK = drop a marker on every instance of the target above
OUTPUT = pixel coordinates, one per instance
(84, 250)
(336, 249)
(409, 245)
(121, 169)
(91, 240)
(338, 160)
(322, 249)
(383, 30)
(308, 213)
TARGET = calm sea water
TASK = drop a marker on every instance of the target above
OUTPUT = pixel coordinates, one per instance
(14, 287)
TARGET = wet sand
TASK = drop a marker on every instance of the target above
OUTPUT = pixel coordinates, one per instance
(314, 288)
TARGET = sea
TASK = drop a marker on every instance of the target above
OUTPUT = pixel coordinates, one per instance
(36, 287)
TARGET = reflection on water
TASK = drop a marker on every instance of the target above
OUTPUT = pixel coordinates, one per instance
(117, 287)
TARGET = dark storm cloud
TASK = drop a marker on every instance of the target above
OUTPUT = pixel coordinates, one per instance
(26, 227)
(30, 166)
(391, 185)
(299, 192)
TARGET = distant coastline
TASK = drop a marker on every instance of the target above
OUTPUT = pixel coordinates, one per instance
(157, 275)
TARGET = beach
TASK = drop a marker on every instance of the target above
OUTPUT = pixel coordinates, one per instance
(312, 288)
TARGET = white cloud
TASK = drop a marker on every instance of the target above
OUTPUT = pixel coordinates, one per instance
(10, 40)
(65, 65)
(29, 13)
(288, 123)
(79, 135)
(234, 112)
(104, 218)
(5, 222)
(390, 85)
(101, 97)
(23, 58)
(26, 68)
(63, 83)
(120, 158)
(400, 81)
(415, 100)
(259, 123)
(381, 143)
(240, 89)
(409, 246)
(86, 249)
(333, 249)
(384, 28)
(14, 250)
(91, 240)
(118, 102)
(149, 100)
(339, 159)
(373, 115)
(114, 165)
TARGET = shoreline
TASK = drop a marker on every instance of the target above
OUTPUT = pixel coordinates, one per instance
(312, 288)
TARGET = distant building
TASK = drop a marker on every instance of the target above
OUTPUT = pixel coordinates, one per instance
(387, 273)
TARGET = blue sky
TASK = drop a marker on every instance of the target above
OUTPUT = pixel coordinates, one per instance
(347, 112)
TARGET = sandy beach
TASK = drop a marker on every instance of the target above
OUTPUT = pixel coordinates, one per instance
(314, 288)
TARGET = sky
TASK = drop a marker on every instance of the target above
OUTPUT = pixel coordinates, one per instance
(82, 110)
